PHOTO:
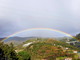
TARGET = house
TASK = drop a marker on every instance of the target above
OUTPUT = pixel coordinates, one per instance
(68, 59)
(25, 45)
(18, 51)
(75, 51)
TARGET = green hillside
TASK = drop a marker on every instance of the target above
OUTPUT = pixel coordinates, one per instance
(48, 49)
(39, 49)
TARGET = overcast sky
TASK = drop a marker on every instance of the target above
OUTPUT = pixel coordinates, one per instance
(17, 15)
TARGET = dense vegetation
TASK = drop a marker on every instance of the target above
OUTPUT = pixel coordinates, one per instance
(50, 49)
(23, 55)
(7, 52)
(78, 36)
(41, 48)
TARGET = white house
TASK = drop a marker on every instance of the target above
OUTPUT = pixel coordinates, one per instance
(68, 58)
(25, 45)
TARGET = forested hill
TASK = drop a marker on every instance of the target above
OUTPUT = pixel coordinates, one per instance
(47, 48)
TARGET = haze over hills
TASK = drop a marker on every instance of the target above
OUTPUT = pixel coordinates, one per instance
(1, 39)
(18, 40)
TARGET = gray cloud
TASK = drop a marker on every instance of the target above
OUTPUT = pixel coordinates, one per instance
(16, 15)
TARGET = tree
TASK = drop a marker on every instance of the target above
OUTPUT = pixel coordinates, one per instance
(7, 52)
(78, 36)
(23, 55)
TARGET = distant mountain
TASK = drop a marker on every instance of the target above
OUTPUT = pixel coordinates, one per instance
(17, 40)
(1, 39)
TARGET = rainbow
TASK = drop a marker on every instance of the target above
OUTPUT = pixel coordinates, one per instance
(38, 29)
